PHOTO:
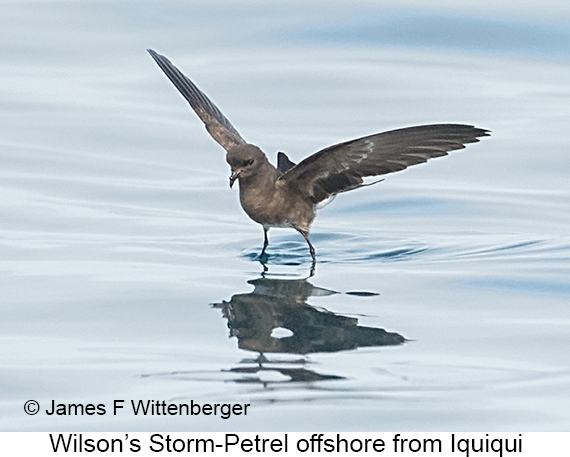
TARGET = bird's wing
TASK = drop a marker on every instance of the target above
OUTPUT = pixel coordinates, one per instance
(216, 123)
(341, 167)
(283, 162)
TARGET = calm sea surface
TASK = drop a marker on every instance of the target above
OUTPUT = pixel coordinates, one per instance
(441, 300)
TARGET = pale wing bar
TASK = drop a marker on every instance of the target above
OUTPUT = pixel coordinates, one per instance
(341, 167)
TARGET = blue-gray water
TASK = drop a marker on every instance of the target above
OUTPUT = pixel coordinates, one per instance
(127, 267)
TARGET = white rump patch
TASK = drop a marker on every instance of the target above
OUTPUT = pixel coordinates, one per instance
(281, 332)
(325, 202)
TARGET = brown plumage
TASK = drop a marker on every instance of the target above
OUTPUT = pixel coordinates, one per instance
(288, 196)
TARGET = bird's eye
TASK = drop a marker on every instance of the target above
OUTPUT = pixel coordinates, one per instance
(247, 162)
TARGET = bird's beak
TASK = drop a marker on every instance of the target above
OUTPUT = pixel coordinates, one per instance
(233, 177)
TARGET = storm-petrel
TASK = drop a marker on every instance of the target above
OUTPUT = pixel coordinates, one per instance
(289, 195)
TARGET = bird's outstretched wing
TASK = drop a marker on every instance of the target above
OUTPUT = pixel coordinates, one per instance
(283, 162)
(216, 123)
(341, 167)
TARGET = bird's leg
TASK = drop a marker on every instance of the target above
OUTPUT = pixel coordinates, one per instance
(265, 242)
(305, 234)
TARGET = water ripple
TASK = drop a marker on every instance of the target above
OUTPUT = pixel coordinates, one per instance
(343, 248)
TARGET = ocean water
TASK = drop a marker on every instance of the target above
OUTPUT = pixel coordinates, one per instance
(128, 271)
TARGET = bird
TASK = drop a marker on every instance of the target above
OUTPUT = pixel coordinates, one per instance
(290, 194)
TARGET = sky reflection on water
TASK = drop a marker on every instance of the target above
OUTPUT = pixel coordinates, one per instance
(119, 231)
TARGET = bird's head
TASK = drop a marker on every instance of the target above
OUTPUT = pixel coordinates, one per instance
(245, 161)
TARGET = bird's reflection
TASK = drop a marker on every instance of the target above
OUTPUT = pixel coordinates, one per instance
(276, 318)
